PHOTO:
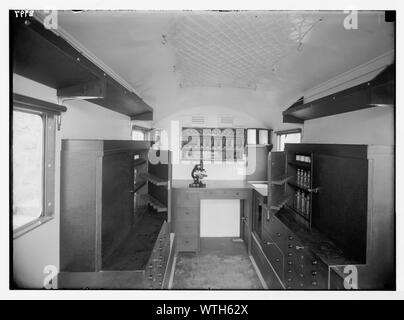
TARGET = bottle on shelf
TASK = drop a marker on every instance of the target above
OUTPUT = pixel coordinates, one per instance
(303, 203)
(304, 180)
(298, 200)
(307, 208)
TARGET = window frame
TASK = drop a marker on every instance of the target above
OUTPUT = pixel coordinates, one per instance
(286, 132)
(50, 114)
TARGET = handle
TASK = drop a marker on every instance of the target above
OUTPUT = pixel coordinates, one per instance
(299, 248)
(314, 190)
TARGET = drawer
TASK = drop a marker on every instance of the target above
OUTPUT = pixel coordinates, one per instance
(182, 227)
(274, 256)
(185, 198)
(227, 194)
(264, 267)
(187, 243)
(186, 214)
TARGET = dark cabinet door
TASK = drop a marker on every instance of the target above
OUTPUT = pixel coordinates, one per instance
(340, 205)
(276, 165)
(117, 200)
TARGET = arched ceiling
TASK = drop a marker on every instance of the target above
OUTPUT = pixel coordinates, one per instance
(253, 61)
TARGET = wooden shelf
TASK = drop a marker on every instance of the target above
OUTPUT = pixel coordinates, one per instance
(153, 179)
(301, 214)
(300, 164)
(379, 91)
(139, 162)
(139, 185)
(157, 205)
(299, 186)
(281, 180)
(44, 56)
(281, 202)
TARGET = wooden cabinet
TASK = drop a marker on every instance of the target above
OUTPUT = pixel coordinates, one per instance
(115, 214)
(186, 219)
(186, 210)
(348, 221)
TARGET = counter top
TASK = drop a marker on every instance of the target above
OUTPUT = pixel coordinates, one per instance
(213, 184)
(323, 247)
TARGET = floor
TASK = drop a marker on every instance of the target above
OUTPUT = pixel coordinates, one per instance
(221, 264)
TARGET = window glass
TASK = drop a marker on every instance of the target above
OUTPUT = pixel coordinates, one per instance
(28, 141)
(138, 135)
(288, 138)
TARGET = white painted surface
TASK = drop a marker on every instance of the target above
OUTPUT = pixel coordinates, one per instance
(368, 126)
(220, 218)
(40, 247)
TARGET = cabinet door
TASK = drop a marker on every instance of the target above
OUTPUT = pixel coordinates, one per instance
(117, 200)
(276, 165)
(340, 206)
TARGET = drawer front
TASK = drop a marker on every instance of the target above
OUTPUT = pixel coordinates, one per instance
(186, 227)
(227, 194)
(187, 243)
(185, 214)
(274, 255)
(266, 271)
(185, 198)
(303, 270)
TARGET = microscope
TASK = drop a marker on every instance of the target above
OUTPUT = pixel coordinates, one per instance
(198, 173)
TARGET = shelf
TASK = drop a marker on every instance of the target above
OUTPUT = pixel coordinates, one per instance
(139, 185)
(153, 179)
(157, 205)
(295, 184)
(300, 164)
(281, 180)
(281, 203)
(139, 162)
(378, 92)
(301, 214)
(46, 57)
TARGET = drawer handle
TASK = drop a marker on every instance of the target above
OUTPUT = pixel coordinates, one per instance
(290, 238)
(290, 254)
(314, 262)
(290, 263)
(150, 277)
(314, 273)
(290, 246)
(299, 248)
(314, 283)
(278, 234)
(269, 243)
(277, 260)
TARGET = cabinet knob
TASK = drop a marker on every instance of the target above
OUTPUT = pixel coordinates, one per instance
(290, 238)
(314, 283)
(269, 243)
(290, 254)
(278, 234)
(314, 273)
(301, 275)
(290, 263)
(289, 279)
(277, 260)
(314, 262)
(289, 271)
(290, 246)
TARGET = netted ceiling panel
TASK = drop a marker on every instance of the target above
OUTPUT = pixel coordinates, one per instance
(235, 49)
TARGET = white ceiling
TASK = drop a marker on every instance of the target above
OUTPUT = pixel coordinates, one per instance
(259, 60)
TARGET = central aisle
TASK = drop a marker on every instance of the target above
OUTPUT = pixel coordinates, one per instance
(220, 264)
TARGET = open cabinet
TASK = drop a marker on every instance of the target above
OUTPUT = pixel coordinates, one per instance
(329, 207)
(114, 222)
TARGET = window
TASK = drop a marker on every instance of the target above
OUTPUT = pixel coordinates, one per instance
(28, 144)
(288, 136)
(138, 135)
(213, 144)
(33, 159)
